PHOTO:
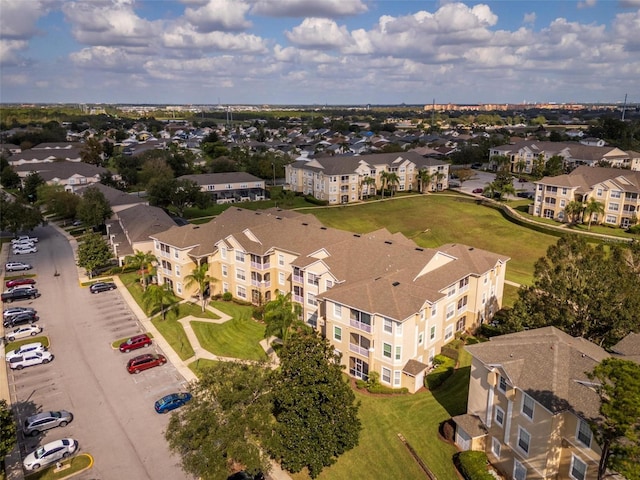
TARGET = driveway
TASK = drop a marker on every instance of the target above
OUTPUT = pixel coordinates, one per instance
(114, 419)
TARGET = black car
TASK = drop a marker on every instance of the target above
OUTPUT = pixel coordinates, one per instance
(20, 319)
(20, 293)
(102, 287)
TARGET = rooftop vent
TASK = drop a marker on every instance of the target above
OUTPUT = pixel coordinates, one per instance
(388, 242)
(420, 249)
(395, 284)
(323, 228)
(356, 235)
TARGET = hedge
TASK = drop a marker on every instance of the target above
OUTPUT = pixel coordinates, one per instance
(472, 465)
(443, 370)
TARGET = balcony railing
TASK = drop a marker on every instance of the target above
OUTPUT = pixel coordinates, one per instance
(260, 266)
(297, 278)
(358, 349)
(365, 327)
(298, 298)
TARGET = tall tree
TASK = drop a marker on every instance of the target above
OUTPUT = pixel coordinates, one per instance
(222, 429)
(58, 201)
(617, 429)
(17, 215)
(8, 430)
(186, 193)
(158, 297)
(94, 207)
(200, 277)
(9, 178)
(367, 182)
(143, 263)
(282, 316)
(92, 152)
(573, 211)
(593, 207)
(392, 181)
(93, 252)
(584, 290)
(554, 166)
(384, 177)
(30, 186)
(424, 179)
(315, 409)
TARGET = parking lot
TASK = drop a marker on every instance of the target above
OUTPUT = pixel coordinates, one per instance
(114, 419)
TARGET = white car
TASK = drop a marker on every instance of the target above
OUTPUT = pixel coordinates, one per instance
(13, 266)
(30, 330)
(24, 238)
(25, 287)
(29, 359)
(24, 349)
(50, 453)
(22, 244)
(22, 250)
(12, 311)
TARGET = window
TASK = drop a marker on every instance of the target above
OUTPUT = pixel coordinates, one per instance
(463, 283)
(239, 256)
(524, 439)
(225, 287)
(240, 274)
(281, 278)
(434, 310)
(337, 333)
(519, 471)
(176, 254)
(432, 333)
(396, 377)
(461, 323)
(311, 299)
(281, 260)
(502, 384)
(578, 469)
(398, 352)
(177, 270)
(242, 292)
(614, 207)
(599, 192)
(223, 253)
(337, 310)
(448, 333)
(495, 447)
(386, 375)
(387, 325)
(462, 304)
(451, 310)
(224, 270)
(328, 284)
(527, 406)
(178, 287)
(499, 416)
(615, 194)
(420, 338)
(452, 291)
(313, 279)
(386, 350)
(584, 435)
(610, 219)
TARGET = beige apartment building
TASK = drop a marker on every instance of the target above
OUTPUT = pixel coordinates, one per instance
(384, 303)
(618, 190)
(529, 404)
(342, 179)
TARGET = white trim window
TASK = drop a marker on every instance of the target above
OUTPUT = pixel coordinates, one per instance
(502, 384)
(527, 406)
(239, 256)
(432, 333)
(240, 275)
(451, 310)
(499, 416)
(337, 310)
(281, 278)
(496, 446)
(337, 333)
(387, 325)
(386, 375)
(386, 350)
(434, 310)
(178, 271)
(578, 469)
(241, 291)
(584, 435)
(281, 259)
(524, 440)
(420, 338)
(448, 333)
(519, 471)
(225, 272)
(397, 378)
(398, 353)
(223, 253)
(179, 287)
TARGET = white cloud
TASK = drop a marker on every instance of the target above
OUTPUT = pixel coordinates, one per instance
(529, 18)
(19, 18)
(10, 52)
(112, 59)
(587, 4)
(308, 8)
(626, 28)
(319, 33)
(225, 15)
(185, 37)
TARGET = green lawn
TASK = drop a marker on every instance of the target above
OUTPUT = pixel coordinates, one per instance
(237, 338)
(433, 220)
(44, 340)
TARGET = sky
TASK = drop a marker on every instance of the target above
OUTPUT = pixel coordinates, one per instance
(319, 52)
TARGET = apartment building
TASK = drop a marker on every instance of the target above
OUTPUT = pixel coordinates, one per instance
(384, 303)
(230, 187)
(524, 156)
(343, 179)
(618, 190)
(529, 404)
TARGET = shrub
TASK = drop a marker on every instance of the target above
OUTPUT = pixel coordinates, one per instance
(635, 229)
(444, 369)
(361, 384)
(387, 390)
(227, 296)
(472, 465)
(315, 201)
(258, 312)
(452, 353)
(448, 431)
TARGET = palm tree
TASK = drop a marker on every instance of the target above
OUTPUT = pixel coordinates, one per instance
(158, 296)
(593, 206)
(438, 177)
(573, 210)
(281, 316)
(200, 277)
(384, 177)
(142, 262)
(424, 179)
(392, 180)
(368, 182)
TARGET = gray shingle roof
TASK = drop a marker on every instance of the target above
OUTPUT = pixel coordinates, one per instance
(62, 169)
(221, 178)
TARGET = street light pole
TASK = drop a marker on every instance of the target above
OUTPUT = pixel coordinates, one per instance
(273, 164)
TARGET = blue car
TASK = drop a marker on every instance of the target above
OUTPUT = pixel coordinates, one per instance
(171, 402)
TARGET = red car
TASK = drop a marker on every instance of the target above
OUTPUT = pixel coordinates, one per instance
(143, 362)
(20, 281)
(135, 342)
(478, 190)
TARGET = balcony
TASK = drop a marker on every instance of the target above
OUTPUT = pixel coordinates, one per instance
(263, 284)
(365, 327)
(358, 349)
(260, 266)
(298, 298)
(297, 278)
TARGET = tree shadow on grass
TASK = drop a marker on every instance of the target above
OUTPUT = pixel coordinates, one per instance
(453, 393)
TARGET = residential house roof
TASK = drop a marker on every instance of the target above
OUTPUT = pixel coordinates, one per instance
(584, 178)
(141, 222)
(114, 196)
(221, 178)
(60, 169)
(629, 347)
(44, 156)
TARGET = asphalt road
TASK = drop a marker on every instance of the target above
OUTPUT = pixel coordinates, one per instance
(114, 419)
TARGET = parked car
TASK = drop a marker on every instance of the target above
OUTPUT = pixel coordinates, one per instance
(24, 238)
(16, 282)
(30, 330)
(20, 319)
(102, 287)
(144, 362)
(10, 312)
(30, 359)
(478, 190)
(171, 402)
(528, 195)
(15, 266)
(22, 244)
(476, 166)
(133, 343)
(20, 287)
(50, 453)
(454, 184)
(36, 424)
(20, 250)
(19, 293)
(24, 349)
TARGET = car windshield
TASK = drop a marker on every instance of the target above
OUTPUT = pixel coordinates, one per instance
(40, 452)
(129, 342)
(55, 414)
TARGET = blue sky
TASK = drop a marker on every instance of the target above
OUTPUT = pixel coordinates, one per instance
(331, 52)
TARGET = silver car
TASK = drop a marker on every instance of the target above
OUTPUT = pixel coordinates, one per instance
(30, 330)
(49, 453)
(40, 422)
